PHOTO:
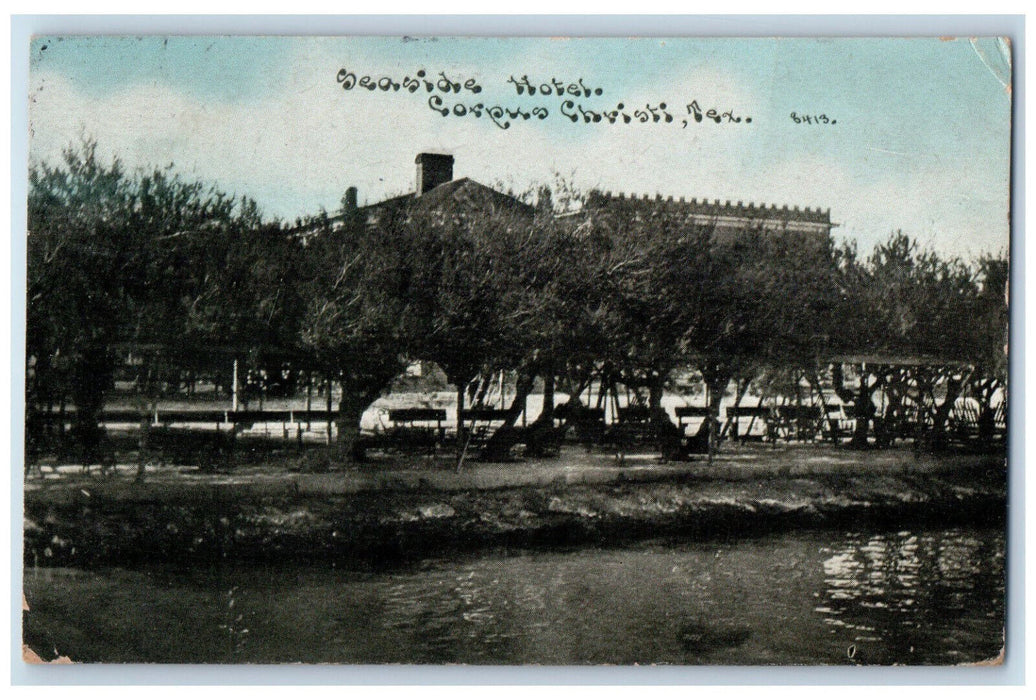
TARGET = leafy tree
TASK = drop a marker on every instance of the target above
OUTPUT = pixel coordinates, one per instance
(355, 327)
(149, 260)
(991, 325)
(484, 278)
(914, 305)
(79, 248)
(648, 276)
(678, 294)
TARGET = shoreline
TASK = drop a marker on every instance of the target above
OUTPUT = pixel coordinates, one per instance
(400, 515)
(574, 467)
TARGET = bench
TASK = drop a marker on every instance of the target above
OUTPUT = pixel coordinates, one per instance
(798, 422)
(1000, 421)
(632, 428)
(836, 426)
(964, 420)
(409, 416)
(404, 436)
(734, 414)
(476, 435)
(589, 423)
(205, 449)
(633, 414)
(635, 428)
(686, 412)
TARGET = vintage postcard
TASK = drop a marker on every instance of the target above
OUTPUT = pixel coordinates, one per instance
(507, 351)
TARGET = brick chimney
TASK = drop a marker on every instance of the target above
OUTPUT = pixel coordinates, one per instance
(433, 169)
(350, 200)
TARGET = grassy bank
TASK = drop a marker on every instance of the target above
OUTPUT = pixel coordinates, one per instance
(403, 513)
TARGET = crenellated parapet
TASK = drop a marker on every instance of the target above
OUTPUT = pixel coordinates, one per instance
(723, 214)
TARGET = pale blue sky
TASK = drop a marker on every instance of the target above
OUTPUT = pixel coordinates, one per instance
(921, 143)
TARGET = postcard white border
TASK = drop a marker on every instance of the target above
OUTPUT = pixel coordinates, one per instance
(23, 27)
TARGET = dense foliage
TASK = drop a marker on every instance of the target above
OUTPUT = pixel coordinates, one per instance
(150, 264)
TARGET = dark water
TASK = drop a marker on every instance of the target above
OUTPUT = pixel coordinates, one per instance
(926, 597)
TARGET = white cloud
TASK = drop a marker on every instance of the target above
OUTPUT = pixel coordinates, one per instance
(300, 148)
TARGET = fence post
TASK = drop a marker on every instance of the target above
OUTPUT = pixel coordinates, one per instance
(233, 390)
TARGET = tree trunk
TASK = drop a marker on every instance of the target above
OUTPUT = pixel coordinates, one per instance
(895, 418)
(351, 408)
(655, 392)
(716, 390)
(863, 405)
(541, 438)
(602, 388)
(483, 389)
(668, 437)
(144, 440)
(90, 377)
(498, 447)
(461, 385)
(547, 413)
(844, 394)
(716, 380)
(330, 407)
(309, 400)
(656, 412)
(984, 390)
(864, 412)
(954, 384)
(986, 424)
(741, 388)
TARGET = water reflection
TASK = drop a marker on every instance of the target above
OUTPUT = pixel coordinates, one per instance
(798, 598)
(909, 598)
(451, 614)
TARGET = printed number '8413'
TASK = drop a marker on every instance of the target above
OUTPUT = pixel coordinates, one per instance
(811, 118)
